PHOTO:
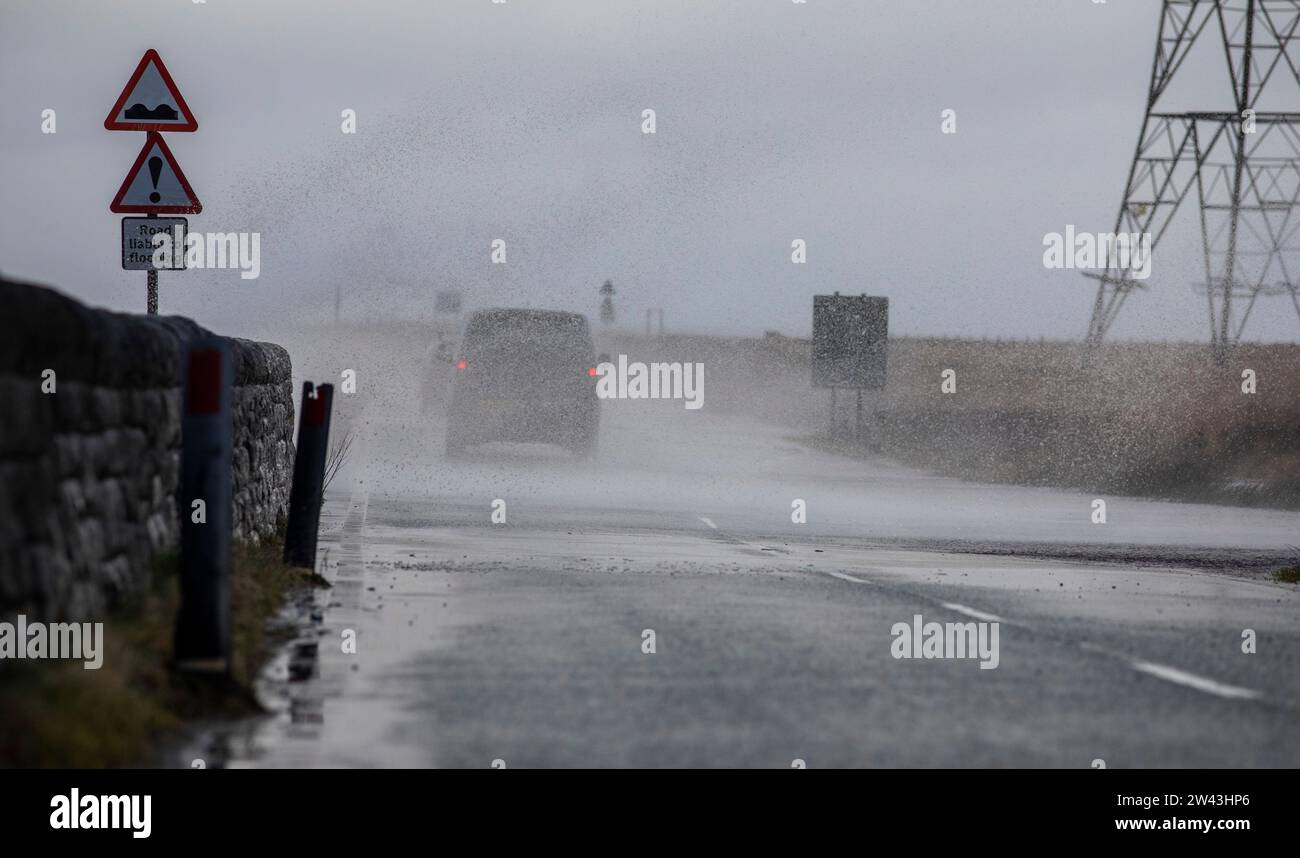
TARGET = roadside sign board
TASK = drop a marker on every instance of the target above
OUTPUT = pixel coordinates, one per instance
(138, 242)
(850, 339)
(150, 101)
(446, 302)
(155, 184)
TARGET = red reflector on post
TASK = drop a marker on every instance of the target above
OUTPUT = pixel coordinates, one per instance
(461, 365)
(314, 411)
(204, 382)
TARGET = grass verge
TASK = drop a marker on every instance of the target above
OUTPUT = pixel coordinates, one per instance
(1289, 575)
(58, 714)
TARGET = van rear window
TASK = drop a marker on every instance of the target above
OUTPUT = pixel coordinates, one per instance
(528, 332)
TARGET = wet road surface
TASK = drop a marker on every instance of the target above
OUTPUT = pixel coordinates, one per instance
(522, 642)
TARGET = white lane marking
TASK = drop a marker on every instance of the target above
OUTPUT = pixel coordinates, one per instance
(1169, 674)
(709, 522)
(845, 577)
(1191, 680)
(971, 612)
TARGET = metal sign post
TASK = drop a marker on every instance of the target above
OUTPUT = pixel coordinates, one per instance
(151, 102)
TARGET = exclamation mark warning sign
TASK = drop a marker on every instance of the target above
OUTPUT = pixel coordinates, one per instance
(155, 184)
(155, 173)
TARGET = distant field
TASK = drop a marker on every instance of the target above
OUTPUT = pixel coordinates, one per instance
(1140, 418)
(1148, 419)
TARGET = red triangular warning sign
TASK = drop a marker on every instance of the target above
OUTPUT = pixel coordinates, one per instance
(159, 188)
(151, 101)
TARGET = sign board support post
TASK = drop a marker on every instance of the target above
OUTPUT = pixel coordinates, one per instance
(151, 288)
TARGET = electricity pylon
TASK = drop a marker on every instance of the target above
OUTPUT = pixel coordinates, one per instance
(1244, 163)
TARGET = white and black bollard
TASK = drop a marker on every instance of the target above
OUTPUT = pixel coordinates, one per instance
(308, 475)
(205, 507)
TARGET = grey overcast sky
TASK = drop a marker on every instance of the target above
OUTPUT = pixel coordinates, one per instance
(522, 121)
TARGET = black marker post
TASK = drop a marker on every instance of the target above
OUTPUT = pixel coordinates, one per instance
(206, 508)
(308, 475)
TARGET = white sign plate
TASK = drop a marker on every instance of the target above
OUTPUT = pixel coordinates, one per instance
(138, 242)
